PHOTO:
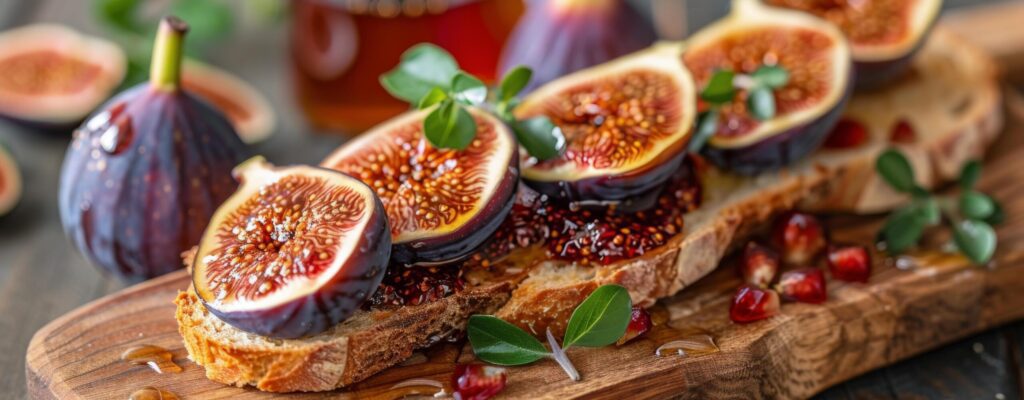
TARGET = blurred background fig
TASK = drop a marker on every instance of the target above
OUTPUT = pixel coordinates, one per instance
(51, 77)
(247, 109)
(557, 37)
(10, 182)
(145, 172)
(295, 251)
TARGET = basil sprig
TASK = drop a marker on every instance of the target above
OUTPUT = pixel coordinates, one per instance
(721, 89)
(428, 76)
(970, 214)
(600, 320)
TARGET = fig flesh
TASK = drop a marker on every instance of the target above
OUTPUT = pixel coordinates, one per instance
(441, 203)
(52, 76)
(249, 112)
(144, 174)
(10, 182)
(817, 59)
(295, 251)
(626, 125)
(884, 35)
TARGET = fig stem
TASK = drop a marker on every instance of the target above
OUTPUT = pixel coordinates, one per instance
(165, 66)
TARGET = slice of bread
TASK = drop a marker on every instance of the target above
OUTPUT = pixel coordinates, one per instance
(951, 99)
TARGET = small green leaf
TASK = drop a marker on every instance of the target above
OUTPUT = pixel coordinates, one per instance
(120, 14)
(434, 96)
(998, 215)
(601, 319)
(422, 68)
(207, 20)
(896, 170)
(719, 89)
(975, 239)
(467, 89)
(540, 137)
(970, 174)
(707, 126)
(902, 230)
(771, 76)
(976, 205)
(514, 82)
(499, 342)
(449, 126)
(928, 211)
(761, 102)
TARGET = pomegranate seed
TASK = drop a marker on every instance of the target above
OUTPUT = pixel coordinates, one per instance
(851, 263)
(751, 303)
(902, 133)
(639, 324)
(847, 134)
(760, 265)
(806, 285)
(800, 237)
(477, 382)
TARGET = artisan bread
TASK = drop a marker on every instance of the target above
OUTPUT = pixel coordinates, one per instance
(951, 99)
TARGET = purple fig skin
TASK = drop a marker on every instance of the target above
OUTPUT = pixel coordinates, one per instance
(783, 148)
(554, 42)
(332, 303)
(134, 210)
(876, 74)
(613, 188)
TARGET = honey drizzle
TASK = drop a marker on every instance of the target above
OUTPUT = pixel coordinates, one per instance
(156, 357)
(152, 393)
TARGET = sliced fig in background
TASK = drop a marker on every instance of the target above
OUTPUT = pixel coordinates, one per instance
(441, 203)
(293, 252)
(249, 112)
(817, 58)
(10, 182)
(144, 174)
(626, 125)
(557, 37)
(884, 35)
(52, 76)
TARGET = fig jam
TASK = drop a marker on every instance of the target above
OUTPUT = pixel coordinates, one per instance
(417, 285)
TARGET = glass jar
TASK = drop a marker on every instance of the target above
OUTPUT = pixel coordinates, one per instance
(339, 49)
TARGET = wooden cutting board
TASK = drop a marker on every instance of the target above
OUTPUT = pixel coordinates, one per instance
(911, 305)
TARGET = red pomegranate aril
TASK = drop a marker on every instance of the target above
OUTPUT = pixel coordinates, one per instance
(902, 133)
(639, 324)
(851, 263)
(477, 381)
(805, 285)
(759, 265)
(751, 303)
(799, 237)
(847, 134)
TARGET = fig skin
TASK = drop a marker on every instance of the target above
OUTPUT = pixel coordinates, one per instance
(144, 174)
(876, 74)
(248, 110)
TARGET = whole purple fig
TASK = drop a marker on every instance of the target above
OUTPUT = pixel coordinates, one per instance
(146, 171)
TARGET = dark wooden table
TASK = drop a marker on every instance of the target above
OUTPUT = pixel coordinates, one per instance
(42, 276)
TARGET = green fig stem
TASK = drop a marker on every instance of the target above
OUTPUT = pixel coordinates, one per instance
(165, 66)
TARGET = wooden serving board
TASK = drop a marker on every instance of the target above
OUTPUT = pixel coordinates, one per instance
(911, 305)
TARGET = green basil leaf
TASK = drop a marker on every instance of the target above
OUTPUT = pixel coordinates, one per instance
(771, 76)
(896, 170)
(120, 14)
(514, 82)
(719, 89)
(207, 20)
(449, 126)
(902, 230)
(434, 96)
(422, 68)
(599, 320)
(976, 240)
(970, 174)
(761, 102)
(976, 205)
(928, 211)
(467, 89)
(540, 137)
(499, 342)
(998, 215)
(707, 126)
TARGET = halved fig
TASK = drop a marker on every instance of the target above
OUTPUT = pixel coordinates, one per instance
(249, 112)
(52, 76)
(441, 203)
(10, 182)
(626, 125)
(810, 49)
(293, 252)
(884, 35)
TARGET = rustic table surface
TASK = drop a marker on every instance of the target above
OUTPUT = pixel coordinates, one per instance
(42, 277)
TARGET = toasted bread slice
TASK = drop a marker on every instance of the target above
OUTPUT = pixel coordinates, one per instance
(952, 100)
